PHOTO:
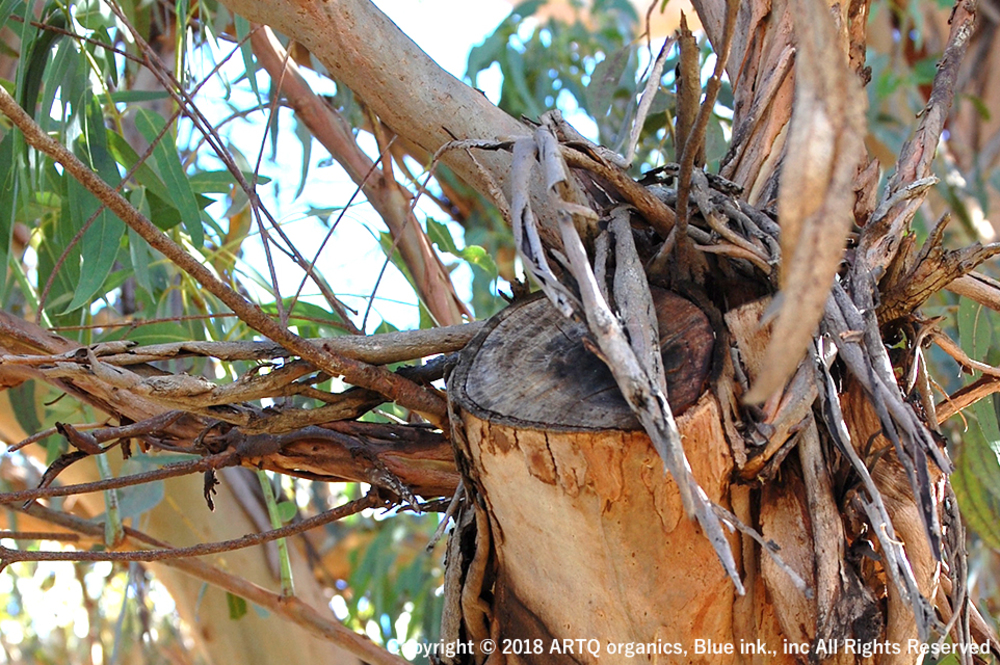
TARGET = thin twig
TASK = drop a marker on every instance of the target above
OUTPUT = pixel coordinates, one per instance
(8, 556)
(879, 241)
(646, 101)
(766, 546)
(45, 433)
(210, 463)
(265, 238)
(55, 536)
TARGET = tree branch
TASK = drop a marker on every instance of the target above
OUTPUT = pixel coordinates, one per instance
(879, 241)
(9, 556)
(404, 392)
(432, 281)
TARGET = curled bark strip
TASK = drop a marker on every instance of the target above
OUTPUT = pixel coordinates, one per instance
(861, 348)
(816, 199)
(635, 302)
(526, 238)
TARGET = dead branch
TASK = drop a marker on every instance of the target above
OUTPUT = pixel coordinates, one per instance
(9, 556)
(965, 397)
(879, 240)
(210, 463)
(979, 288)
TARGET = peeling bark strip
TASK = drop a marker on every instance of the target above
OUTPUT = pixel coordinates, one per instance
(816, 198)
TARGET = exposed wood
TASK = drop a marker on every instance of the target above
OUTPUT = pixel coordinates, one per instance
(561, 384)
(565, 505)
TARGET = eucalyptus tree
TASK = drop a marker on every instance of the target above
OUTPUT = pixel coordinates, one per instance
(709, 434)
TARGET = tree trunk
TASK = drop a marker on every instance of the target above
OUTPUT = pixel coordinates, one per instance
(584, 533)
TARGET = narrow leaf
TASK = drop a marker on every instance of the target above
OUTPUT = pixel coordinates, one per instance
(441, 236)
(138, 249)
(286, 511)
(100, 244)
(114, 530)
(6, 9)
(220, 182)
(144, 174)
(169, 165)
(24, 406)
(8, 201)
(605, 80)
(243, 37)
(975, 481)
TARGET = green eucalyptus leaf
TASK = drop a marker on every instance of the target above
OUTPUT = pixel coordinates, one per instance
(286, 511)
(7, 8)
(167, 160)
(237, 606)
(246, 52)
(606, 80)
(139, 251)
(976, 482)
(25, 406)
(9, 180)
(220, 182)
(974, 328)
(480, 258)
(441, 236)
(102, 240)
(38, 45)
